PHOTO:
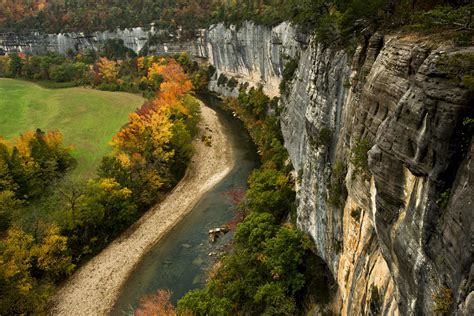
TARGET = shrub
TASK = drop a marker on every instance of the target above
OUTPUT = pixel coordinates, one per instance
(232, 83)
(360, 157)
(288, 72)
(337, 187)
(443, 200)
(222, 81)
(323, 138)
(443, 300)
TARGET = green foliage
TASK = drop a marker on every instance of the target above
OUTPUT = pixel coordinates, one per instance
(459, 68)
(337, 187)
(443, 16)
(222, 80)
(16, 64)
(443, 300)
(443, 200)
(8, 205)
(201, 303)
(269, 191)
(288, 73)
(201, 78)
(232, 83)
(34, 162)
(360, 156)
(255, 100)
(263, 274)
(323, 137)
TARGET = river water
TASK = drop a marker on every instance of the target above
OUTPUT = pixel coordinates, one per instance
(179, 261)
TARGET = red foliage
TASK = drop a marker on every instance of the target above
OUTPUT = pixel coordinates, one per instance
(236, 197)
(156, 305)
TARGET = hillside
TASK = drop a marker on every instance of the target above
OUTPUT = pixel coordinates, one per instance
(87, 118)
(363, 115)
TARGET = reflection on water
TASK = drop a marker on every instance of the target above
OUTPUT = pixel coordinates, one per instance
(179, 261)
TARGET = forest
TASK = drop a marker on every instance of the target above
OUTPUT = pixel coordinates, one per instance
(149, 156)
(349, 16)
(264, 273)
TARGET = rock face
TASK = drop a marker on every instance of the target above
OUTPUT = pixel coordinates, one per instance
(388, 199)
(252, 54)
(134, 38)
(400, 240)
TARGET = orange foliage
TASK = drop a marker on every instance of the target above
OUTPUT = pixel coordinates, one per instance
(16, 10)
(145, 133)
(156, 305)
(150, 128)
(107, 69)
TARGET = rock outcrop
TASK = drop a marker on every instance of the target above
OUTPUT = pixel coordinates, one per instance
(154, 40)
(252, 53)
(388, 200)
(388, 197)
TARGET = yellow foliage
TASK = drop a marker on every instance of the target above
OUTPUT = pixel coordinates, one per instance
(124, 159)
(141, 63)
(154, 129)
(15, 261)
(108, 69)
(112, 187)
(52, 253)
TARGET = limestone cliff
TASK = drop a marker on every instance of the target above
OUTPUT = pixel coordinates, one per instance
(394, 238)
(155, 40)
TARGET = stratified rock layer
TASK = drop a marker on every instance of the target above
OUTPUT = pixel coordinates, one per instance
(392, 245)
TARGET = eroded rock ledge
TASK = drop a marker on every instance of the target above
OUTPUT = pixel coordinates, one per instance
(399, 241)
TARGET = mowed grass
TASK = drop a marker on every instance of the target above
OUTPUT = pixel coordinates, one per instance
(87, 118)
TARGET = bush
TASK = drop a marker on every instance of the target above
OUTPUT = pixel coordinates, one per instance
(443, 200)
(232, 83)
(288, 73)
(222, 81)
(360, 156)
(443, 16)
(443, 300)
(323, 138)
(337, 188)
(269, 191)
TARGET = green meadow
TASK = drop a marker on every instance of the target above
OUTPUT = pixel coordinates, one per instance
(88, 119)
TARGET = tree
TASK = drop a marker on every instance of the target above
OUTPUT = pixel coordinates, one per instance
(52, 255)
(8, 205)
(16, 65)
(158, 304)
(72, 193)
(107, 70)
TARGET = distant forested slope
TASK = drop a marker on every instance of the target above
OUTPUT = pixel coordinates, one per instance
(88, 15)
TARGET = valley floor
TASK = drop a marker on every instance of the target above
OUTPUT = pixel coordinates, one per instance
(94, 288)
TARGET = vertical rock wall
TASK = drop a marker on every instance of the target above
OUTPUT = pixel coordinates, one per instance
(252, 53)
(134, 38)
(390, 245)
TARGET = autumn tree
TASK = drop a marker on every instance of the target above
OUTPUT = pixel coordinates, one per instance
(157, 304)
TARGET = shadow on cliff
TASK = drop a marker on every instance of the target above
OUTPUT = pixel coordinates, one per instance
(320, 287)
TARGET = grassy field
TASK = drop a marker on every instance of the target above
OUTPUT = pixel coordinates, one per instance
(87, 118)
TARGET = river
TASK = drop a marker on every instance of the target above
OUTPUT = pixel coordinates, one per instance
(179, 261)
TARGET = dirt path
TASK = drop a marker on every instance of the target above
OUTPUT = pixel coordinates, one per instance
(94, 288)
